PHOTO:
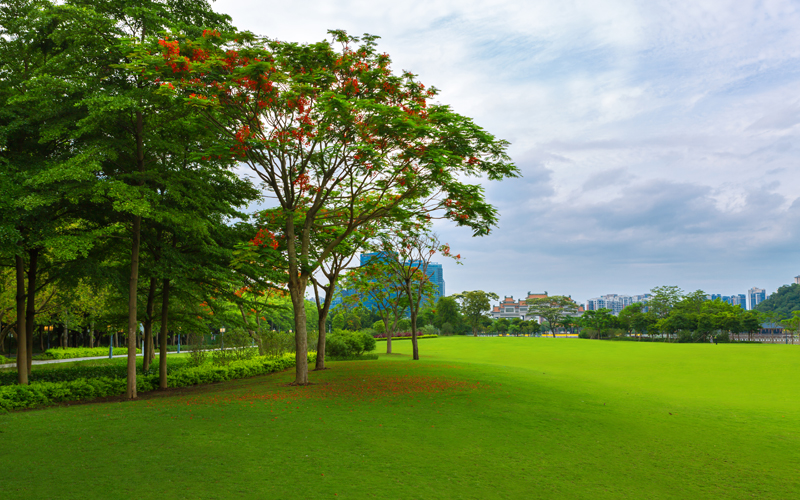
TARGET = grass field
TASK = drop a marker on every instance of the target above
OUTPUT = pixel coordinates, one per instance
(476, 418)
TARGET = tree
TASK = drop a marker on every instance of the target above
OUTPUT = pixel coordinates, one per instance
(552, 309)
(375, 283)
(338, 140)
(448, 311)
(600, 321)
(633, 318)
(784, 301)
(407, 254)
(792, 325)
(475, 306)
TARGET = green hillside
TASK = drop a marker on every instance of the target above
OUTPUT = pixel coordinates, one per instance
(784, 301)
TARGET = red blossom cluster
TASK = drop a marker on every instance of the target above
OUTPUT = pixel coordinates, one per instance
(262, 235)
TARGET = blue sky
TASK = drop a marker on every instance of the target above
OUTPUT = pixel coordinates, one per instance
(658, 140)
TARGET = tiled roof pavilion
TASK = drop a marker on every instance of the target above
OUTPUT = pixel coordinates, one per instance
(510, 308)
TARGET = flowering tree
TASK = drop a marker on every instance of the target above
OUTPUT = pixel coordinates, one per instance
(337, 138)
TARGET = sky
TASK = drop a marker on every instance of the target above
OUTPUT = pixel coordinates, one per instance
(657, 140)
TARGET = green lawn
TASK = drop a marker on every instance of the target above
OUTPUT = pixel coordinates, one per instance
(476, 418)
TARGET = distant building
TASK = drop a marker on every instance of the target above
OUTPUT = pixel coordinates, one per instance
(434, 271)
(614, 302)
(510, 308)
(797, 280)
(754, 297)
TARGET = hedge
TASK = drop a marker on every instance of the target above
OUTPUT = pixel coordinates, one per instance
(5, 361)
(407, 338)
(118, 368)
(15, 397)
(84, 352)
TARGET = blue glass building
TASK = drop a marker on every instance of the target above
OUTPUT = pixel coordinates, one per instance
(434, 271)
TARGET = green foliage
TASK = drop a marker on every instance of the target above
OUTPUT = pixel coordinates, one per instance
(784, 301)
(343, 343)
(475, 305)
(427, 330)
(84, 352)
(448, 311)
(379, 327)
(14, 397)
(276, 343)
(552, 309)
(114, 369)
(433, 336)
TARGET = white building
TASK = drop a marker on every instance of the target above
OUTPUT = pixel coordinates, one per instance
(614, 302)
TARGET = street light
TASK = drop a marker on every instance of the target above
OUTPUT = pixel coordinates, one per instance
(48, 329)
(222, 338)
(110, 342)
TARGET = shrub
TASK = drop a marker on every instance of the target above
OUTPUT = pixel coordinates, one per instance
(342, 343)
(198, 351)
(409, 337)
(83, 352)
(5, 361)
(14, 397)
(427, 330)
(277, 343)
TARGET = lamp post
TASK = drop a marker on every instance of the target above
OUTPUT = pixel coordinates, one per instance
(222, 338)
(179, 340)
(110, 342)
(48, 329)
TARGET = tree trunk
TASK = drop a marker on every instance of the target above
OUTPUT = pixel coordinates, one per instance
(22, 343)
(296, 290)
(414, 344)
(30, 312)
(148, 325)
(388, 335)
(323, 316)
(162, 339)
(130, 392)
(91, 334)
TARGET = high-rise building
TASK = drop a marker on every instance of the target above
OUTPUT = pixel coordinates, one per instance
(754, 297)
(434, 271)
(614, 302)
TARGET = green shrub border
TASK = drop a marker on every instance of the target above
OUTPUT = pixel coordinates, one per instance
(409, 338)
(83, 352)
(16, 397)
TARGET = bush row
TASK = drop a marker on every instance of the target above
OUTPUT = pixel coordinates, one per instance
(117, 368)
(83, 352)
(4, 360)
(409, 337)
(14, 397)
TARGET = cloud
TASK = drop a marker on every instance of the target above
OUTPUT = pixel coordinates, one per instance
(650, 134)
